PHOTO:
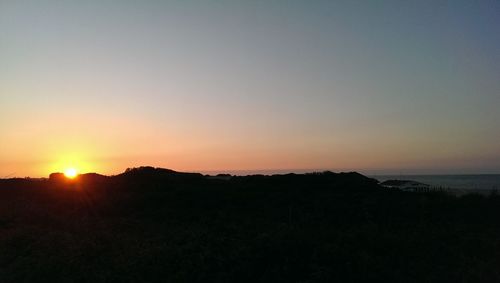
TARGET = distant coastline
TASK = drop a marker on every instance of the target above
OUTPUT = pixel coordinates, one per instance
(479, 182)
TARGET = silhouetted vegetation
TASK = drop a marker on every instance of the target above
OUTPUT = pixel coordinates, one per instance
(158, 225)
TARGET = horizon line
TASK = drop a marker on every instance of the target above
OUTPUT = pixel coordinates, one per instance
(248, 172)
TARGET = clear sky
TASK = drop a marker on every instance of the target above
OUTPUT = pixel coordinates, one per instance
(373, 86)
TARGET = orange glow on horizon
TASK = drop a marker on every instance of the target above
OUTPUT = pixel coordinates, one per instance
(70, 173)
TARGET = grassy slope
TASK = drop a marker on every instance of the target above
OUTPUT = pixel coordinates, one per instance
(245, 233)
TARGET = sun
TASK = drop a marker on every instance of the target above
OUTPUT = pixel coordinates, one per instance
(70, 173)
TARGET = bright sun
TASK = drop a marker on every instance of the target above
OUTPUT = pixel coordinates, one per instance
(70, 173)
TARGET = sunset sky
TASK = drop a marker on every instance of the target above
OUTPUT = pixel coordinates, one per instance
(380, 87)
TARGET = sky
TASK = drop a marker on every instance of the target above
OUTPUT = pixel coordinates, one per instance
(379, 87)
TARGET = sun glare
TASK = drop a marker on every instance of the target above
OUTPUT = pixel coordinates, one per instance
(70, 173)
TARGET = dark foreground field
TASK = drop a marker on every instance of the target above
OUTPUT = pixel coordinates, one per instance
(157, 225)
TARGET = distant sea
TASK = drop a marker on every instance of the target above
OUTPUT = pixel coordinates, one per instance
(466, 182)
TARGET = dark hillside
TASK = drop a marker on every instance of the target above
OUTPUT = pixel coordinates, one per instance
(158, 225)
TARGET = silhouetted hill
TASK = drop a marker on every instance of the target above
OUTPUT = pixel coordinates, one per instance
(324, 180)
(87, 178)
(147, 171)
(158, 225)
(158, 178)
(57, 177)
(93, 178)
(152, 174)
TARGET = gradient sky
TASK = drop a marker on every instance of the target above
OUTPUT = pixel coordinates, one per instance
(373, 86)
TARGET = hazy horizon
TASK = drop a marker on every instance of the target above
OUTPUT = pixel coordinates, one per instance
(370, 173)
(385, 87)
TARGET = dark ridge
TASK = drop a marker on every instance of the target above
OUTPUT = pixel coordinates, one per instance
(149, 173)
(56, 177)
(87, 177)
(92, 178)
(146, 178)
(326, 180)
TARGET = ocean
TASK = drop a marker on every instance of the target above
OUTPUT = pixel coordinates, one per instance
(466, 182)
